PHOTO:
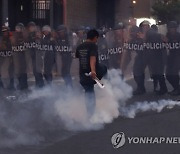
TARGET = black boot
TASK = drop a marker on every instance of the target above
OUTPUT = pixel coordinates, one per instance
(163, 88)
(23, 82)
(39, 80)
(48, 78)
(68, 80)
(140, 85)
(11, 84)
(175, 92)
(1, 84)
(174, 81)
(155, 82)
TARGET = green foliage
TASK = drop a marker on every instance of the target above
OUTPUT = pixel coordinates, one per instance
(166, 10)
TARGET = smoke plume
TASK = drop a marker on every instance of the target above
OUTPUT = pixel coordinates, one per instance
(54, 113)
(139, 107)
(31, 118)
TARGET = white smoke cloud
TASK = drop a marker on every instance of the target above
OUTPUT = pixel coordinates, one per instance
(31, 115)
(132, 110)
(73, 112)
(31, 118)
(110, 99)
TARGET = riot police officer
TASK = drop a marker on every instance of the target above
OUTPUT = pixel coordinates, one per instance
(47, 45)
(6, 59)
(39, 59)
(81, 35)
(32, 40)
(20, 56)
(63, 54)
(156, 53)
(173, 59)
(116, 48)
(135, 43)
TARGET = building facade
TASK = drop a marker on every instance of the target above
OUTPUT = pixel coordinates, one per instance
(80, 12)
(73, 13)
(40, 11)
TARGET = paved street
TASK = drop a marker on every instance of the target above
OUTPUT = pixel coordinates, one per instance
(148, 124)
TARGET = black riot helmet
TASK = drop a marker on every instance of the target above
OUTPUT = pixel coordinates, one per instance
(172, 27)
(81, 32)
(144, 26)
(19, 27)
(31, 24)
(61, 28)
(119, 26)
(172, 24)
(62, 32)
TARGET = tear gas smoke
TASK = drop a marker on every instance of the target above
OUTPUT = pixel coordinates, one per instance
(132, 110)
(29, 119)
(33, 118)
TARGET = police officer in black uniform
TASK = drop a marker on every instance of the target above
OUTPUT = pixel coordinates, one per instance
(31, 46)
(173, 60)
(156, 53)
(6, 59)
(20, 56)
(116, 48)
(47, 45)
(135, 43)
(81, 35)
(38, 62)
(141, 59)
(64, 52)
(155, 80)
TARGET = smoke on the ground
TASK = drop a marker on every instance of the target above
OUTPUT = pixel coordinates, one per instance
(32, 118)
(140, 107)
(54, 113)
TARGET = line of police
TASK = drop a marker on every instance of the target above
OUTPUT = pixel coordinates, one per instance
(161, 55)
(43, 48)
(40, 49)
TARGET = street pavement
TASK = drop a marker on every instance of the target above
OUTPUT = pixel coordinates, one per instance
(147, 124)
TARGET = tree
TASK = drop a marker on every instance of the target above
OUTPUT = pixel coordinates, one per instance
(166, 10)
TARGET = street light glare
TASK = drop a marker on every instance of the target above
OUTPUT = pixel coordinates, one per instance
(134, 2)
